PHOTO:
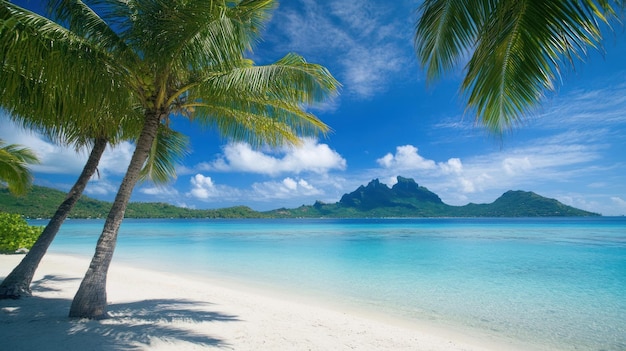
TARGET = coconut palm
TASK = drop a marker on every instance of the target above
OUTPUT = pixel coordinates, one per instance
(169, 147)
(180, 59)
(50, 108)
(517, 48)
(14, 161)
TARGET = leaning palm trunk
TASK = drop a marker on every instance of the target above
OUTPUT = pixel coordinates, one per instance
(17, 283)
(90, 299)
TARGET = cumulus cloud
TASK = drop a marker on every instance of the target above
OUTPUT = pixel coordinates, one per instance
(542, 161)
(202, 187)
(453, 166)
(516, 165)
(54, 159)
(442, 176)
(287, 188)
(406, 158)
(309, 157)
(205, 189)
(115, 160)
(57, 159)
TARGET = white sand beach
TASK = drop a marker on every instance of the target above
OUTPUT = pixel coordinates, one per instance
(153, 310)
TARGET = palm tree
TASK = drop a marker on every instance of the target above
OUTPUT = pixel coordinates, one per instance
(17, 283)
(39, 106)
(179, 59)
(517, 48)
(13, 167)
(170, 146)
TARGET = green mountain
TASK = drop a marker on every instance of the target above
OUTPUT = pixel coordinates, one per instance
(41, 202)
(405, 199)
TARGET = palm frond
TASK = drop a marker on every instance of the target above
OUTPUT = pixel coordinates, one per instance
(518, 48)
(447, 30)
(13, 167)
(51, 75)
(258, 123)
(520, 55)
(168, 149)
(254, 99)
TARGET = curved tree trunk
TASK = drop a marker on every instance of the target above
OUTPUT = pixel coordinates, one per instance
(17, 283)
(90, 299)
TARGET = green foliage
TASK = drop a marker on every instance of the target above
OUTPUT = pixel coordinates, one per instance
(517, 50)
(405, 199)
(41, 202)
(15, 233)
(13, 167)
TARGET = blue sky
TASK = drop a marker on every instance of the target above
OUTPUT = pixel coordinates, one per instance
(387, 122)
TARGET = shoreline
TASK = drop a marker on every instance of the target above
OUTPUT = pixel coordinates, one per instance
(158, 310)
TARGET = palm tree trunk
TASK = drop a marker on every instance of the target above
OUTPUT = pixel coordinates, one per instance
(90, 299)
(17, 283)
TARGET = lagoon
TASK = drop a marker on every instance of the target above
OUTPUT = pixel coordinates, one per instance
(549, 283)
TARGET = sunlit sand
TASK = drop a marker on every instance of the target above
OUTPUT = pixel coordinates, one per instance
(159, 311)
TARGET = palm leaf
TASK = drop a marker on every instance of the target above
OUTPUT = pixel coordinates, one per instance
(13, 167)
(168, 149)
(520, 54)
(44, 73)
(518, 48)
(264, 104)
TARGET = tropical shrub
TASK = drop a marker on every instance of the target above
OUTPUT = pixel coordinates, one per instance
(15, 233)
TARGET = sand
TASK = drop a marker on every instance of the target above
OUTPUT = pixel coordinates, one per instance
(153, 310)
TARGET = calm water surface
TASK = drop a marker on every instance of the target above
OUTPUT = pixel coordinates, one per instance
(560, 283)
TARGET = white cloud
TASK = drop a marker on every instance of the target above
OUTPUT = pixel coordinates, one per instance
(516, 165)
(54, 159)
(202, 187)
(562, 158)
(285, 189)
(290, 184)
(372, 41)
(453, 166)
(57, 159)
(619, 202)
(100, 187)
(367, 77)
(406, 158)
(115, 160)
(159, 191)
(600, 103)
(309, 157)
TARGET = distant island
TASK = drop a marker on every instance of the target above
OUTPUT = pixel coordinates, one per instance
(404, 199)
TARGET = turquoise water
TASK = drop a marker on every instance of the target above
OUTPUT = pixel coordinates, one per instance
(560, 283)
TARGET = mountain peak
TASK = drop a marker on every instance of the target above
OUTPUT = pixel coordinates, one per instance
(407, 187)
(376, 194)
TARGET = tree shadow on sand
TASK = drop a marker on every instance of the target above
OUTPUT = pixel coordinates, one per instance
(43, 285)
(42, 323)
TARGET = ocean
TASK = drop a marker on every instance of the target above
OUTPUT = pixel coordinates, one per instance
(549, 283)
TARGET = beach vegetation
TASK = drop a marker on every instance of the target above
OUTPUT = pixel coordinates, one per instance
(15, 233)
(512, 52)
